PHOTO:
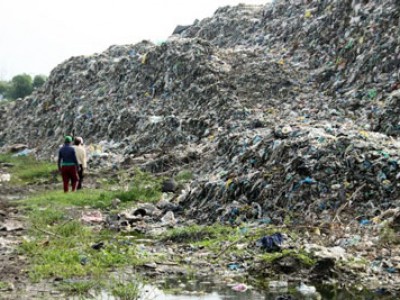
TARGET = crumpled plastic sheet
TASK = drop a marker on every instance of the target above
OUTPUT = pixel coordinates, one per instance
(92, 217)
(271, 243)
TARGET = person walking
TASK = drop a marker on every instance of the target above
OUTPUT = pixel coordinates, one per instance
(81, 157)
(68, 164)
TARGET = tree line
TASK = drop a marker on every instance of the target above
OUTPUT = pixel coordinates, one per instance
(20, 86)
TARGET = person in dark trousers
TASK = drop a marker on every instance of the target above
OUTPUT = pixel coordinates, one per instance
(81, 157)
(68, 164)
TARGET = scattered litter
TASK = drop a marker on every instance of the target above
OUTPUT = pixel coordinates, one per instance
(271, 243)
(168, 219)
(241, 287)
(306, 289)
(278, 286)
(92, 217)
(98, 246)
(11, 225)
(5, 177)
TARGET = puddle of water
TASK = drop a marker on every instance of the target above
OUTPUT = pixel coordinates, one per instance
(149, 292)
(201, 290)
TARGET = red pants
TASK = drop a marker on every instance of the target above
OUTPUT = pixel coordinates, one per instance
(69, 173)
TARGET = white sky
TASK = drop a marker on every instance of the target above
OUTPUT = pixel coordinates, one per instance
(36, 35)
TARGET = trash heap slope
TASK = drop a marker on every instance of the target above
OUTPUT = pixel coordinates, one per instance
(283, 109)
(351, 48)
(302, 170)
(147, 98)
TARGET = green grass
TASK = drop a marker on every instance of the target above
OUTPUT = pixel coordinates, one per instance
(145, 187)
(5, 102)
(70, 253)
(183, 176)
(196, 233)
(126, 290)
(82, 198)
(144, 191)
(80, 288)
(60, 246)
(302, 256)
(26, 169)
(3, 285)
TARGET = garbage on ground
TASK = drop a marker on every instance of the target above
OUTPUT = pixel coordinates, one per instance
(5, 177)
(271, 243)
(168, 219)
(287, 114)
(97, 246)
(24, 152)
(310, 125)
(305, 289)
(278, 286)
(318, 251)
(92, 217)
(11, 225)
(233, 266)
(241, 287)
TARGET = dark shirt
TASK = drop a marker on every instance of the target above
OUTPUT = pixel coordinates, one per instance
(67, 156)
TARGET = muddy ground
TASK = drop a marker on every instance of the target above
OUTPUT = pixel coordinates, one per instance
(361, 262)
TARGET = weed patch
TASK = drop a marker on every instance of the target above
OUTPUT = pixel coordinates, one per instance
(183, 176)
(126, 291)
(145, 187)
(73, 256)
(79, 288)
(26, 169)
(302, 256)
(198, 233)
(3, 285)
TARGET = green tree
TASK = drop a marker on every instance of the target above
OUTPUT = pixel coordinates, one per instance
(4, 88)
(21, 86)
(38, 81)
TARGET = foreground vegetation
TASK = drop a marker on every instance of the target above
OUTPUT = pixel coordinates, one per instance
(28, 170)
(80, 256)
(83, 257)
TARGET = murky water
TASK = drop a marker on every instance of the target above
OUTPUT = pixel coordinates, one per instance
(181, 289)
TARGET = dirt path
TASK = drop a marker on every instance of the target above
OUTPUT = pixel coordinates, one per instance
(14, 279)
(12, 274)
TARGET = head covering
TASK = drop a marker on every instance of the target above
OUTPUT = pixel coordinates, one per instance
(67, 139)
(78, 141)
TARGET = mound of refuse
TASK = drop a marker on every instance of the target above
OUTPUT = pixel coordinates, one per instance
(147, 98)
(301, 170)
(288, 109)
(351, 48)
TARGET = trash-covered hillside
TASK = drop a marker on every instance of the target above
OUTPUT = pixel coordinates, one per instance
(284, 109)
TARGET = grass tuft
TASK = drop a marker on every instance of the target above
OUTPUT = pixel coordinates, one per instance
(184, 176)
(302, 256)
(26, 169)
(79, 288)
(3, 285)
(197, 233)
(126, 291)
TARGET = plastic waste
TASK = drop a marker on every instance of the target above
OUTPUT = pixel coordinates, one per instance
(92, 217)
(168, 219)
(233, 266)
(271, 243)
(306, 290)
(5, 177)
(241, 287)
(278, 286)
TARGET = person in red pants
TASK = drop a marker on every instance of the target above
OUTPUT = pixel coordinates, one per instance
(68, 164)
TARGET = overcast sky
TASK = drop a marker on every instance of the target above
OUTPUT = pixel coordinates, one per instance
(36, 35)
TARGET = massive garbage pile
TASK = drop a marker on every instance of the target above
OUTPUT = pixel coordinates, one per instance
(291, 107)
